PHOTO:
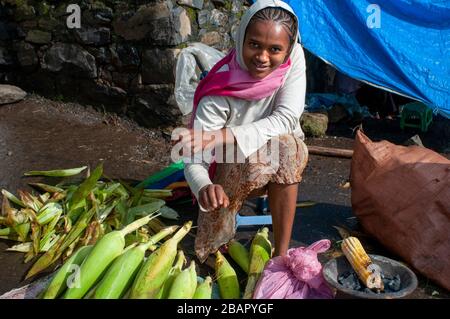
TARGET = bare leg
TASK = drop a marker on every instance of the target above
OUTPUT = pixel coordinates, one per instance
(282, 202)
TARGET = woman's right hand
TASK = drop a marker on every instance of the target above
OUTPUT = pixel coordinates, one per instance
(212, 197)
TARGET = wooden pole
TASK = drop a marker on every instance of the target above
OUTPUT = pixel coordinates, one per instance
(328, 151)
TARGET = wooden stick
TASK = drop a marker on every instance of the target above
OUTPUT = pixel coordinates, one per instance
(328, 151)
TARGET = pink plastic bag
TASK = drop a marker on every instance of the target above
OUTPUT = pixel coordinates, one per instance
(297, 275)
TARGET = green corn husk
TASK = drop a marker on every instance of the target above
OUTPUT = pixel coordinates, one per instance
(12, 198)
(260, 253)
(157, 193)
(57, 173)
(239, 254)
(65, 241)
(22, 230)
(184, 284)
(48, 212)
(7, 231)
(59, 282)
(36, 237)
(174, 271)
(226, 278)
(21, 248)
(155, 270)
(169, 213)
(122, 272)
(84, 190)
(102, 255)
(147, 208)
(204, 289)
(48, 243)
(47, 188)
(30, 201)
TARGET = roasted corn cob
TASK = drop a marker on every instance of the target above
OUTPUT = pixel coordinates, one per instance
(366, 270)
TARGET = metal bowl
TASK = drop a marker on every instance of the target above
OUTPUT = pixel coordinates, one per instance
(337, 266)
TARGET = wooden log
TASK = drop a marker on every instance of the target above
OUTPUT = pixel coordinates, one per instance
(328, 151)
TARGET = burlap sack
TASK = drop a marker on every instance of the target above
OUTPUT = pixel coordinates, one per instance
(401, 196)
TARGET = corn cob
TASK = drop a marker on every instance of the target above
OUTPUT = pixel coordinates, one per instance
(260, 253)
(155, 270)
(104, 252)
(58, 283)
(239, 253)
(175, 271)
(122, 272)
(361, 263)
(226, 278)
(204, 289)
(184, 284)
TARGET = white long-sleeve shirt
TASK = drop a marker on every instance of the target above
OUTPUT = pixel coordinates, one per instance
(253, 123)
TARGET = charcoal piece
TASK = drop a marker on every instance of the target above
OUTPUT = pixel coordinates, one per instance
(394, 284)
(349, 280)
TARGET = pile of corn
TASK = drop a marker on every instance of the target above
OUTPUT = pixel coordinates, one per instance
(252, 263)
(53, 221)
(110, 270)
(102, 231)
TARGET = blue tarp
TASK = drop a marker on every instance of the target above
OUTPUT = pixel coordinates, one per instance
(399, 45)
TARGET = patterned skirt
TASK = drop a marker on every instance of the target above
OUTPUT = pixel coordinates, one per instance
(244, 180)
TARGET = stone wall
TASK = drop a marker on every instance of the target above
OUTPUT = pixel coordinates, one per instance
(122, 57)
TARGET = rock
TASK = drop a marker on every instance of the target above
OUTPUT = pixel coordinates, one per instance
(125, 57)
(94, 36)
(138, 25)
(314, 124)
(102, 55)
(38, 37)
(159, 23)
(71, 59)
(26, 55)
(9, 31)
(5, 58)
(124, 80)
(215, 39)
(24, 12)
(49, 24)
(113, 98)
(158, 66)
(11, 94)
(203, 18)
(182, 25)
(236, 6)
(196, 4)
(217, 18)
(155, 106)
(103, 15)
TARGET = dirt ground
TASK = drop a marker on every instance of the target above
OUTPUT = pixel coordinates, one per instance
(39, 134)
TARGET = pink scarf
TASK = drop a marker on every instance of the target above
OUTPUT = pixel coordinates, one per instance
(238, 83)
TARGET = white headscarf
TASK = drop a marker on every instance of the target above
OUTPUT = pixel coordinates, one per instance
(257, 6)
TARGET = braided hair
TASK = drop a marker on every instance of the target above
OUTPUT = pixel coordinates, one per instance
(280, 16)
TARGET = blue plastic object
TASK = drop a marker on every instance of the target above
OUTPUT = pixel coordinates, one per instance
(401, 46)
